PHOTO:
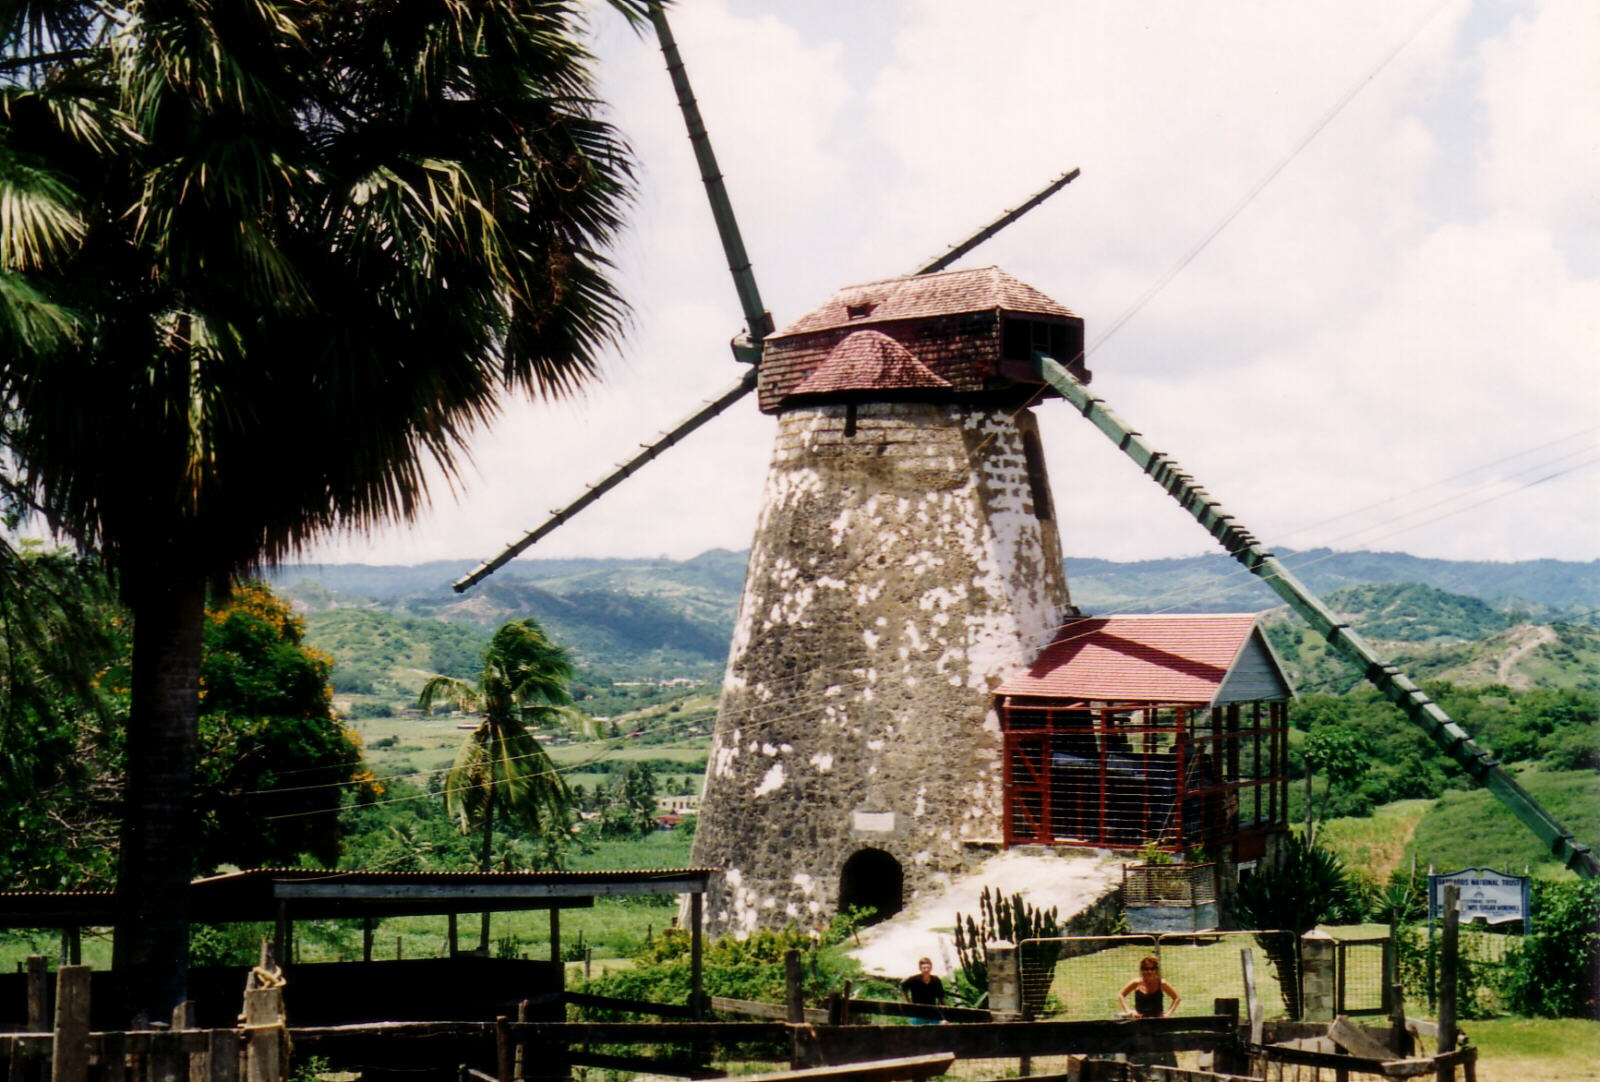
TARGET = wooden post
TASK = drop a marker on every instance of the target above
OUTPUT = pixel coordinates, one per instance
(263, 1023)
(38, 994)
(368, 930)
(1399, 1035)
(1449, 938)
(399, 948)
(794, 994)
(555, 935)
(502, 1048)
(282, 935)
(450, 922)
(114, 1059)
(1230, 1056)
(167, 1061)
(69, 1046)
(183, 1015)
(222, 1055)
(696, 958)
(844, 1011)
(518, 1052)
(1252, 1001)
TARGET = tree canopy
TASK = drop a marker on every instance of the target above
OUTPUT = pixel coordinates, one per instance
(260, 265)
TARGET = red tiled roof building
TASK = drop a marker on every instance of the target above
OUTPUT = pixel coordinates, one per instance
(1128, 730)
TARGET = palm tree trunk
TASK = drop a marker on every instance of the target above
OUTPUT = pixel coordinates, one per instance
(483, 862)
(150, 950)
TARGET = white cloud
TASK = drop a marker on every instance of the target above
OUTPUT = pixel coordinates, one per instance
(1360, 330)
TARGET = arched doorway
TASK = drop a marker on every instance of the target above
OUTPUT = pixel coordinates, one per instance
(872, 879)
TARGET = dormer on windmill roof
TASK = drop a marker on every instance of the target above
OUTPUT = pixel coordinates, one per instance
(974, 332)
(868, 361)
(1201, 659)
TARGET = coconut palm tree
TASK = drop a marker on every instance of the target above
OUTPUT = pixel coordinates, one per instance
(501, 763)
(260, 266)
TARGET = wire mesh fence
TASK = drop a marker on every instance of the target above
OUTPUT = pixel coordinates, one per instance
(1364, 974)
(1081, 977)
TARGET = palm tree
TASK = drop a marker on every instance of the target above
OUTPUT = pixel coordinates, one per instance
(260, 264)
(501, 763)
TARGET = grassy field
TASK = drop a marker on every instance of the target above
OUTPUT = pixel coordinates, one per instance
(1377, 844)
(1473, 829)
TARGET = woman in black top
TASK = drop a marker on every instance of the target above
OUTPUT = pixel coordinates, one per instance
(1149, 992)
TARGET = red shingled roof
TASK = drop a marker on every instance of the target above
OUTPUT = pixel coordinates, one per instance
(984, 289)
(1169, 659)
(868, 361)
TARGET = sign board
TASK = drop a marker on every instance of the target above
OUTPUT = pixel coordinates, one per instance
(1485, 893)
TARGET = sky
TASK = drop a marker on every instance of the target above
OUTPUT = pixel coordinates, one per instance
(1342, 260)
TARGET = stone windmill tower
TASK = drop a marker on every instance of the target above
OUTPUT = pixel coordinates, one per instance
(905, 561)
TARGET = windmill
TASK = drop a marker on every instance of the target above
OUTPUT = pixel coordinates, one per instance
(905, 559)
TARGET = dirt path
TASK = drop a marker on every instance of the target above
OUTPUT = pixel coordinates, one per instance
(1537, 635)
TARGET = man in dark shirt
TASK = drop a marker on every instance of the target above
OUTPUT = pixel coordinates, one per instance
(924, 988)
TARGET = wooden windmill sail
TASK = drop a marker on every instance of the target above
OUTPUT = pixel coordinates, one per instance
(905, 561)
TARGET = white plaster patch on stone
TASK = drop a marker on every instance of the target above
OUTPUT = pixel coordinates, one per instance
(769, 750)
(870, 639)
(806, 884)
(882, 621)
(791, 910)
(822, 761)
(840, 524)
(940, 597)
(832, 690)
(914, 634)
(921, 807)
(723, 755)
(785, 748)
(875, 745)
(873, 822)
(922, 856)
(772, 782)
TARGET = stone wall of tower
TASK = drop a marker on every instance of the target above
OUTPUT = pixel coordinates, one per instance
(898, 572)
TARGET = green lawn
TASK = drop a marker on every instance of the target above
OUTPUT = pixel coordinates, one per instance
(1536, 1049)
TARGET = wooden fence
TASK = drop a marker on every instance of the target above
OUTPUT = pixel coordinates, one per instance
(256, 1050)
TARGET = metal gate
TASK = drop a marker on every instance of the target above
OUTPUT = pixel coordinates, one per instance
(1363, 976)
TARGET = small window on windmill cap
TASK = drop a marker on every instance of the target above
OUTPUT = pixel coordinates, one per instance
(859, 307)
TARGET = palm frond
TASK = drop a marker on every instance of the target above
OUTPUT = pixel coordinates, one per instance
(40, 219)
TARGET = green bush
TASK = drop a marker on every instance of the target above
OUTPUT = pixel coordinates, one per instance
(1555, 971)
(750, 968)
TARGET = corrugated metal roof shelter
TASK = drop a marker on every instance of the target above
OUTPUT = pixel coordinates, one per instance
(285, 895)
(1137, 729)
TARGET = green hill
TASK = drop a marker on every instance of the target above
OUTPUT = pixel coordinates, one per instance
(1473, 829)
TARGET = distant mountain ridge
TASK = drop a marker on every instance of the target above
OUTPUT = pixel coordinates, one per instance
(654, 618)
